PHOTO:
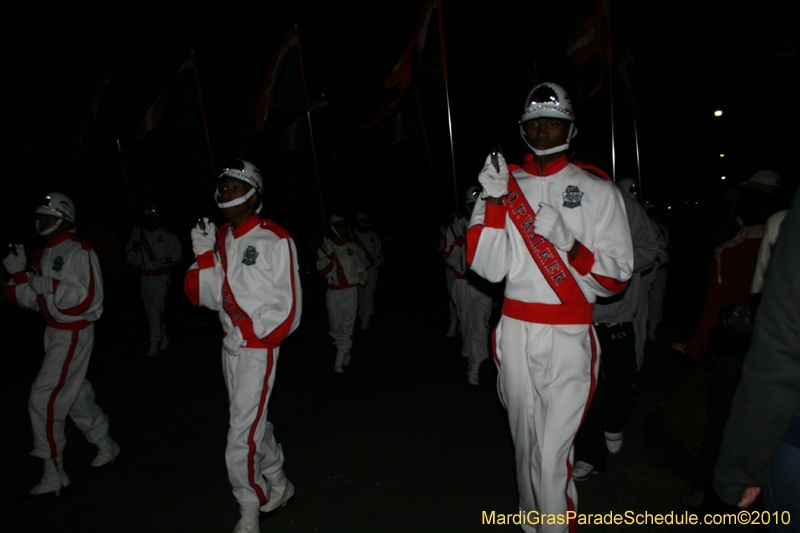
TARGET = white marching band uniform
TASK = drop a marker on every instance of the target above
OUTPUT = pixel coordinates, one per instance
(251, 278)
(66, 286)
(472, 305)
(344, 266)
(370, 244)
(546, 350)
(154, 253)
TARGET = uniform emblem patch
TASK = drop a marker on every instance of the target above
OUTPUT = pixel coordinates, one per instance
(349, 251)
(572, 196)
(250, 256)
(58, 263)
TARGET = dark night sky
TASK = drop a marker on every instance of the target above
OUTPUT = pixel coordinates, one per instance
(690, 58)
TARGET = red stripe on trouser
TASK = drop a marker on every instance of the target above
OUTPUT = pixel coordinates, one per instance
(570, 504)
(251, 470)
(50, 404)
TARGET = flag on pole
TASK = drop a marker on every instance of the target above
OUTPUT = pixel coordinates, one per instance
(293, 133)
(283, 86)
(624, 85)
(593, 38)
(424, 53)
(90, 117)
(181, 103)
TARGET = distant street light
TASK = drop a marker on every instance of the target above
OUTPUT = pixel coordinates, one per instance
(722, 155)
(718, 113)
(723, 177)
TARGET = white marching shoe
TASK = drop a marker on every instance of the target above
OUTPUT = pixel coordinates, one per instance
(613, 441)
(340, 362)
(53, 480)
(473, 372)
(248, 523)
(153, 351)
(280, 490)
(107, 452)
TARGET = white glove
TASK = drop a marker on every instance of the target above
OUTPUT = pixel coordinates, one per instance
(41, 284)
(234, 342)
(159, 262)
(495, 184)
(204, 240)
(327, 246)
(550, 224)
(16, 262)
(362, 278)
(136, 234)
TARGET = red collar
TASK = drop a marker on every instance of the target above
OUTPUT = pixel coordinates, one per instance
(58, 239)
(246, 226)
(531, 167)
(339, 242)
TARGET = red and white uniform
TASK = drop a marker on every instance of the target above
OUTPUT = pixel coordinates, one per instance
(370, 244)
(546, 350)
(344, 268)
(154, 253)
(473, 306)
(252, 279)
(71, 268)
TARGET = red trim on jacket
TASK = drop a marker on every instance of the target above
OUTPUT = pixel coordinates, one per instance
(251, 466)
(51, 403)
(245, 226)
(584, 262)
(495, 216)
(206, 259)
(530, 166)
(191, 286)
(147, 248)
(360, 244)
(610, 284)
(68, 326)
(11, 295)
(21, 277)
(330, 265)
(281, 332)
(473, 236)
(577, 313)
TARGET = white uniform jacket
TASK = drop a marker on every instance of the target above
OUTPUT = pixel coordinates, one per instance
(455, 246)
(74, 285)
(370, 243)
(155, 252)
(252, 279)
(592, 209)
(344, 267)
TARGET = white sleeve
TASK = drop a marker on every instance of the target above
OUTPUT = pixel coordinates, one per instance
(279, 313)
(488, 248)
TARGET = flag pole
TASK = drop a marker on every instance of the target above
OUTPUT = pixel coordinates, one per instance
(311, 133)
(447, 92)
(430, 159)
(203, 114)
(125, 176)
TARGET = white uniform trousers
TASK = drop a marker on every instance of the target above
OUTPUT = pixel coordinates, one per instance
(60, 389)
(251, 448)
(342, 307)
(365, 307)
(474, 309)
(154, 295)
(546, 375)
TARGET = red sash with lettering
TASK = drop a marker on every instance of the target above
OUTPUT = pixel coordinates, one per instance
(229, 304)
(544, 254)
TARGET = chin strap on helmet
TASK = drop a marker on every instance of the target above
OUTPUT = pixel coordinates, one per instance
(49, 230)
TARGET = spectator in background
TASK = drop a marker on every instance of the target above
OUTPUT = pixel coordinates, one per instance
(729, 284)
(761, 444)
